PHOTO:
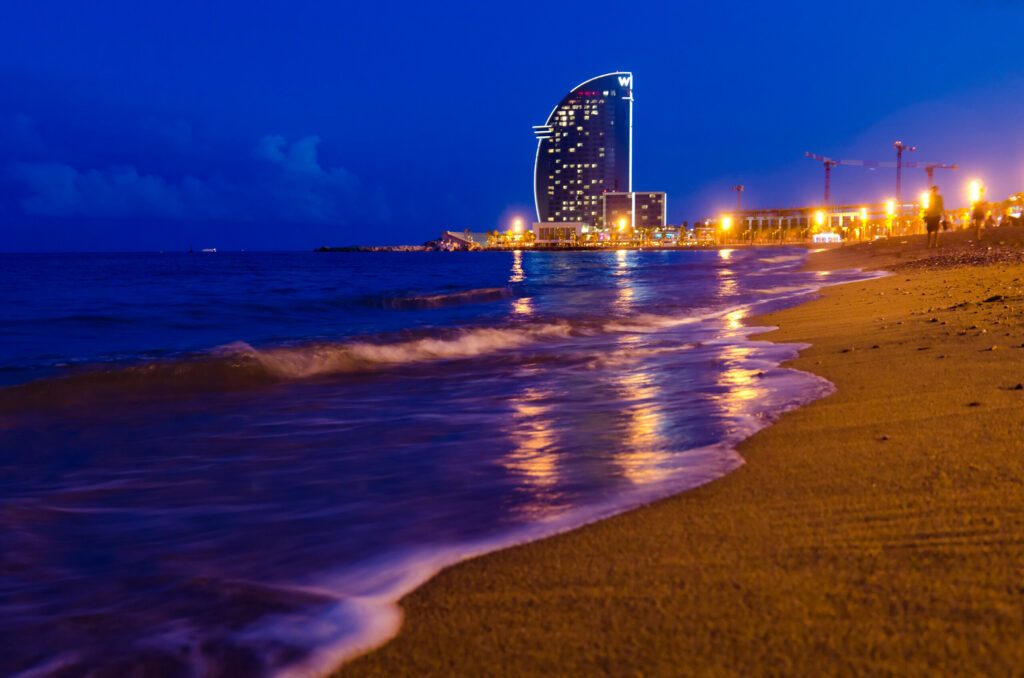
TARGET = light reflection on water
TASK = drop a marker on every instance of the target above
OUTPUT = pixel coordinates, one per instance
(734, 318)
(727, 283)
(533, 434)
(523, 306)
(645, 450)
(517, 275)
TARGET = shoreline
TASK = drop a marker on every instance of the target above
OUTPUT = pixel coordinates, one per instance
(380, 615)
(776, 565)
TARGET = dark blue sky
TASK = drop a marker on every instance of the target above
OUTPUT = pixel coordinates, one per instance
(278, 125)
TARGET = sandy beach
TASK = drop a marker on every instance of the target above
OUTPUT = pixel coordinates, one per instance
(878, 530)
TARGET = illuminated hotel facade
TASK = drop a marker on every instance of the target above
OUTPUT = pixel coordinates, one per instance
(584, 150)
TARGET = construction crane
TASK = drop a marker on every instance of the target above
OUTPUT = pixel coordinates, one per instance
(829, 163)
(928, 167)
(900, 148)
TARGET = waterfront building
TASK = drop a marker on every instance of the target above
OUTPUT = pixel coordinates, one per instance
(667, 235)
(584, 150)
(640, 212)
(800, 224)
(564, 233)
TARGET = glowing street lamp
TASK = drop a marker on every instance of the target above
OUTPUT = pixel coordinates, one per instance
(819, 217)
(724, 225)
(622, 223)
(926, 199)
(517, 225)
(890, 212)
(975, 189)
(864, 215)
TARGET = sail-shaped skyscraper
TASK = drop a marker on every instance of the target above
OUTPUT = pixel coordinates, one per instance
(585, 149)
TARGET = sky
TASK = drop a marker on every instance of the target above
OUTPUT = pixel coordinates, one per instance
(288, 125)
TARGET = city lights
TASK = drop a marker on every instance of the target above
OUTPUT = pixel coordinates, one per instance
(517, 225)
(926, 199)
(819, 217)
(864, 214)
(975, 189)
(622, 223)
(890, 207)
(726, 223)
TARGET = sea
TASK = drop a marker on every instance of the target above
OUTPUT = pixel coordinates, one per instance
(237, 463)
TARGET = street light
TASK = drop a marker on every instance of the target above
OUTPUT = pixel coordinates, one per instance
(622, 223)
(926, 199)
(724, 224)
(890, 211)
(517, 225)
(819, 217)
(864, 215)
(975, 189)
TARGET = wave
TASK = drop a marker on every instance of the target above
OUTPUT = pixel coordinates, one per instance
(365, 613)
(428, 301)
(239, 366)
(783, 258)
(360, 356)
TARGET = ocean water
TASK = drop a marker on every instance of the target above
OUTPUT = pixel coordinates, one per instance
(236, 463)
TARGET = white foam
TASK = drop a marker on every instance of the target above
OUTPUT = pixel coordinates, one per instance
(322, 359)
(783, 258)
(373, 590)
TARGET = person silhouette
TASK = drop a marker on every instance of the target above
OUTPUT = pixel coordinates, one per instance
(933, 214)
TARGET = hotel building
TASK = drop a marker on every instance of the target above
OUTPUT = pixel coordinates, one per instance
(584, 150)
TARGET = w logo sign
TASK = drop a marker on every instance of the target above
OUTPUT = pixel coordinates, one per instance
(625, 80)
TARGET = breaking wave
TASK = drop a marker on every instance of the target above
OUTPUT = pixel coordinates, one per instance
(239, 366)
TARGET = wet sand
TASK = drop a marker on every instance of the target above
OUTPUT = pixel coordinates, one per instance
(878, 530)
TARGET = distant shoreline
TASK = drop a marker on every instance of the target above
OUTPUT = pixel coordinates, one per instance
(573, 248)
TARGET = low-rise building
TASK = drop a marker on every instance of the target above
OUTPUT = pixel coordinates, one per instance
(637, 212)
(561, 233)
(667, 236)
(463, 240)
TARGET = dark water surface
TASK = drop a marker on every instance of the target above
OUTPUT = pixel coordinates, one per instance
(234, 463)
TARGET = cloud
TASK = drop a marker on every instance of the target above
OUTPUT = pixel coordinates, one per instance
(279, 181)
(302, 188)
(300, 157)
(57, 189)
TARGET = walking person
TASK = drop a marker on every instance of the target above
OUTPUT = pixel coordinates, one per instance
(933, 214)
(978, 215)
